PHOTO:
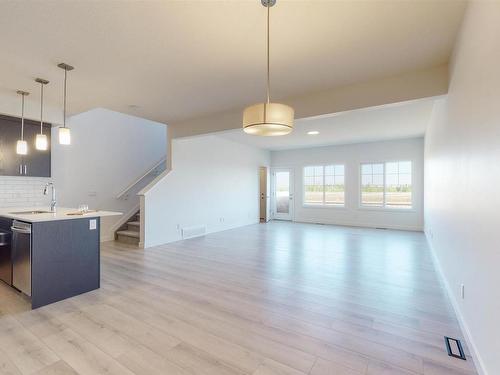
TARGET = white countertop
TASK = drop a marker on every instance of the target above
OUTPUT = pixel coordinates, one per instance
(60, 214)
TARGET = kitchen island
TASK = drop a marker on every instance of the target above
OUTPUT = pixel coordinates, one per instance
(54, 255)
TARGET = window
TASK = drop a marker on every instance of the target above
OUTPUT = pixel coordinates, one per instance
(372, 185)
(398, 184)
(324, 185)
(313, 185)
(386, 184)
(334, 184)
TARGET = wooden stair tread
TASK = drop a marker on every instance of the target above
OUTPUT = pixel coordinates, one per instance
(128, 233)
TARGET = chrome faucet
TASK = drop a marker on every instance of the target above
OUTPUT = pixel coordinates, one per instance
(53, 202)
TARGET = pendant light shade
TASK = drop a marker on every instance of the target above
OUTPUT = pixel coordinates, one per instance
(64, 136)
(22, 145)
(268, 119)
(41, 142)
(64, 132)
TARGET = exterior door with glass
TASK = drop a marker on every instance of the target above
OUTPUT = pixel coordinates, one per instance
(283, 194)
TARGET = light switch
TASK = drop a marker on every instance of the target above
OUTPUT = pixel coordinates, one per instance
(93, 224)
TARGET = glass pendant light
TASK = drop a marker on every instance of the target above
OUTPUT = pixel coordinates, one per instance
(64, 132)
(41, 142)
(22, 145)
(268, 119)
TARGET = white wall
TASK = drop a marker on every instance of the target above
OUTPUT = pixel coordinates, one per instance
(108, 151)
(351, 156)
(462, 155)
(214, 182)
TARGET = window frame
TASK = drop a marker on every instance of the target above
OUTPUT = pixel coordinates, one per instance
(322, 204)
(384, 206)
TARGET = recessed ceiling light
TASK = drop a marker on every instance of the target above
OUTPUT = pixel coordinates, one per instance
(313, 132)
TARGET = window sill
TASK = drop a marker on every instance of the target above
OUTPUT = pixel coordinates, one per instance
(327, 206)
(388, 209)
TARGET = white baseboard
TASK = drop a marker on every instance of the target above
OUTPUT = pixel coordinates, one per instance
(210, 230)
(481, 369)
(360, 225)
(107, 238)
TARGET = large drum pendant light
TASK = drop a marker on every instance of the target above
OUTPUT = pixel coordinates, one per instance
(268, 119)
(64, 132)
(41, 142)
(22, 145)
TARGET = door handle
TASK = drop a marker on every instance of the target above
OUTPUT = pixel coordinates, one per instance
(20, 169)
(25, 169)
(18, 230)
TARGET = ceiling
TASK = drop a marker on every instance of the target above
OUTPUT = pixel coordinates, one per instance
(395, 121)
(174, 60)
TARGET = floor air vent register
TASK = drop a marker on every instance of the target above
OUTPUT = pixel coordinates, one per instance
(454, 348)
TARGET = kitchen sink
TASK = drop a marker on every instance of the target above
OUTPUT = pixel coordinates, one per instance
(29, 212)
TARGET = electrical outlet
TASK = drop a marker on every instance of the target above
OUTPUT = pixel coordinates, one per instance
(462, 291)
(92, 224)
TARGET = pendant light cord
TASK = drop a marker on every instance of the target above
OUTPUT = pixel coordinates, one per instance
(41, 108)
(268, 69)
(22, 117)
(64, 111)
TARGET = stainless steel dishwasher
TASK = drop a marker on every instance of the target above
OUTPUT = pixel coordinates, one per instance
(21, 256)
(5, 257)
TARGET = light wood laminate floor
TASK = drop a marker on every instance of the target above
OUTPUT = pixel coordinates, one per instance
(269, 299)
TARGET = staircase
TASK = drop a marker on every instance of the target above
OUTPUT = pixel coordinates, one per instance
(130, 231)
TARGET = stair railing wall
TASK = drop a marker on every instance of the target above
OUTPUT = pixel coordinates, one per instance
(154, 171)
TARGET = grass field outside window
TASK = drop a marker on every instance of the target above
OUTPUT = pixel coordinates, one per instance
(387, 185)
(324, 185)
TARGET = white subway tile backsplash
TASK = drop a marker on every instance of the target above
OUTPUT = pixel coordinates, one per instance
(23, 191)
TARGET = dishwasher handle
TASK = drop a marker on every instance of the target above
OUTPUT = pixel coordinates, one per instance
(20, 230)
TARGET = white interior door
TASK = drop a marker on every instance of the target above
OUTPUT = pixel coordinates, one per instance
(283, 194)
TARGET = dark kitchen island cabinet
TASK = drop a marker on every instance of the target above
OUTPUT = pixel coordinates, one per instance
(54, 255)
(65, 257)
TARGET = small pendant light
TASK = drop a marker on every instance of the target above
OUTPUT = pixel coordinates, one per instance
(268, 119)
(41, 142)
(64, 132)
(22, 145)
